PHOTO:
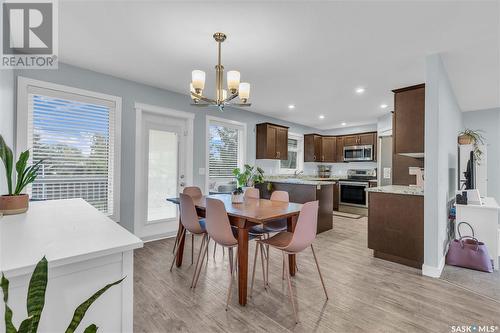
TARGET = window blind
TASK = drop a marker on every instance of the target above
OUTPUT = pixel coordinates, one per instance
(74, 135)
(223, 145)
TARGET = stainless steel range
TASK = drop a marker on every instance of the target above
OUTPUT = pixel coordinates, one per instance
(352, 190)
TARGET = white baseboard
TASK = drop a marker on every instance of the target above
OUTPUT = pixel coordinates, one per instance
(158, 237)
(433, 271)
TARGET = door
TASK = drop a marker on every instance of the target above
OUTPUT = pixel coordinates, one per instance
(281, 143)
(328, 149)
(350, 140)
(163, 173)
(339, 146)
(367, 139)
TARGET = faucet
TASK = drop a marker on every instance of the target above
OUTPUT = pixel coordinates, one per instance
(298, 172)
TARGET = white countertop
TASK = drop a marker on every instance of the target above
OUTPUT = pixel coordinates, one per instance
(487, 203)
(65, 231)
(397, 189)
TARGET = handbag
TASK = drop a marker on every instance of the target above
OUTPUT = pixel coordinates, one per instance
(469, 252)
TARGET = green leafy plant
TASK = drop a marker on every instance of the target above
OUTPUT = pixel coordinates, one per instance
(249, 176)
(238, 191)
(25, 174)
(36, 301)
(474, 137)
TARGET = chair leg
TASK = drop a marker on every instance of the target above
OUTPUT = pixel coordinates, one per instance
(198, 260)
(267, 265)
(263, 267)
(319, 271)
(177, 250)
(283, 270)
(254, 264)
(290, 291)
(192, 249)
(204, 251)
(215, 249)
(230, 288)
(176, 241)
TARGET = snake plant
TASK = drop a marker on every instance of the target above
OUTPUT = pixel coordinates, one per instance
(36, 301)
(25, 174)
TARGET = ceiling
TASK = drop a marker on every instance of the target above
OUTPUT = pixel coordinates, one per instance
(310, 54)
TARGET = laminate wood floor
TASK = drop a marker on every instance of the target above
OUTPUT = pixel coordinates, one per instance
(366, 294)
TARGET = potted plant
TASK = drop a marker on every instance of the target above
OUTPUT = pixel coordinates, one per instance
(36, 300)
(16, 202)
(249, 176)
(238, 195)
(474, 138)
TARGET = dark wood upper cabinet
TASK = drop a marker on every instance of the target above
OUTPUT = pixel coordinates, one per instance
(351, 140)
(328, 151)
(339, 147)
(272, 141)
(360, 139)
(312, 148)
(408, 120)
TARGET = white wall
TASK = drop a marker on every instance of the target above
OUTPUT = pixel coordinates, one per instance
(443, 121)
(6, 116)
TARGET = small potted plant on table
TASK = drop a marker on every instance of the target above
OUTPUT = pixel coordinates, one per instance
(16, 202)
(237, 195)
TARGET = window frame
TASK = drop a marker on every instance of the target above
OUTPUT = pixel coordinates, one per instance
(300, 154)
(22, 111)
(242, 139)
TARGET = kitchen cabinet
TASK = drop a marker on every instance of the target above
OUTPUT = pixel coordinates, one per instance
(408, 120)
(313, 148)
(336, 196)
(339, 146)
(360, 139)
(328, 152)
(272, 141)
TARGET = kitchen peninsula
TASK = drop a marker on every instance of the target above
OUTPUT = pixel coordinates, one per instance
(302, 190)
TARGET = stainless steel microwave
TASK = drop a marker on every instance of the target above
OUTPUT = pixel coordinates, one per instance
(358, 153)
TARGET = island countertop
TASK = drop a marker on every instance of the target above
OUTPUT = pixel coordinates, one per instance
(65, 231)
(397, 189)
(302, 180)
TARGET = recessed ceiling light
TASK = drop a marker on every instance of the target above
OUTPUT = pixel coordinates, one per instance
(321, 116)
(360, 90)
(343, 124)
(291, 106)
(383, 106)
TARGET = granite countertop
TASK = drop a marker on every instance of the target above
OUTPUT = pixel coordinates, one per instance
(302, 180)
(397, 189)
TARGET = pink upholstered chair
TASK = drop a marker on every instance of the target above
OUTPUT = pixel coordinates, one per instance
(292, 243)
(252, 193)
(191, 223)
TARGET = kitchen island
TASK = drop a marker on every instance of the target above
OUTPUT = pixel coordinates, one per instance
(85, 251)
(396, 224)
(302, 190)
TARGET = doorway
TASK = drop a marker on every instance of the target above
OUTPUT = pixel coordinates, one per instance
(163, 169)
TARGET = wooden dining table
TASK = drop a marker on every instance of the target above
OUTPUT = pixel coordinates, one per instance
(243, 216)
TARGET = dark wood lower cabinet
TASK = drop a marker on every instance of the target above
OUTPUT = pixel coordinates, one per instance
(336, 196)
(301, 193)
(396, 227)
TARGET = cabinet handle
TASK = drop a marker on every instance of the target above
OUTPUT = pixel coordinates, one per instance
(314, 157)
(278, 154)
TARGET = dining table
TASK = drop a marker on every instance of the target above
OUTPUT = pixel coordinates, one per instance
(243, 216)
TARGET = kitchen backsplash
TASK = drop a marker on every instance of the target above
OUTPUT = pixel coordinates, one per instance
(272, 167)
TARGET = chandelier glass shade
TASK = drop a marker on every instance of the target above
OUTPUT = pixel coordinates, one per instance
(223, 97)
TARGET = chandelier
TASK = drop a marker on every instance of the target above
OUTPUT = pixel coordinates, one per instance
(234, 86)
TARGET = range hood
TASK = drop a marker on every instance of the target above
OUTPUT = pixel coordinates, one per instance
(414, 155)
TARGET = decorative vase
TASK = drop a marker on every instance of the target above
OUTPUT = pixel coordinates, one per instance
(14, 204)
(465, 140)
(237, 198)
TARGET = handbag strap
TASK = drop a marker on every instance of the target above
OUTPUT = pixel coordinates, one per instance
(469, 237)
(460, 234)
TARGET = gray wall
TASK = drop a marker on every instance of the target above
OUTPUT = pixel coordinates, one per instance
(6, 116)
(443, 121)
(489, 122)
(132, 92)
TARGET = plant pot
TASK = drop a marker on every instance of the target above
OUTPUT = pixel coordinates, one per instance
(14, 204)
(465, 140)
(237, 198)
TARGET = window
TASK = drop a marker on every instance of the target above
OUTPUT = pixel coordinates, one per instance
(225, 150)
(295, 159)
(76, 133)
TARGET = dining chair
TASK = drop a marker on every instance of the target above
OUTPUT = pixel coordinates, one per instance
(251, 193)
(192, 191)
(192, 223)
(220, 231)
(293, 243)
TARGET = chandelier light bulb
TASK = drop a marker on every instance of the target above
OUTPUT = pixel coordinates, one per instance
(244, 91)
(198, 79)
(233, 81)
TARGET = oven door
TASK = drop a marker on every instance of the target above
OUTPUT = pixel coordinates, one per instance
(358, 153)
(353, 194)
